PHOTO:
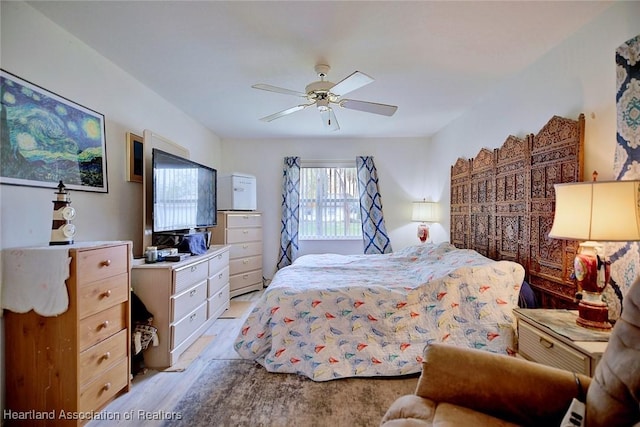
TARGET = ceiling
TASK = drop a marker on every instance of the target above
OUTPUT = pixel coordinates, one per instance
(433, 59)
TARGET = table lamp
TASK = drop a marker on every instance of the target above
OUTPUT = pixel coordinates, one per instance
(424, 212)
(597, 211)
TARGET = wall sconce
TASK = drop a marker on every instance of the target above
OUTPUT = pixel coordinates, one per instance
(424, 212)
(606, 211)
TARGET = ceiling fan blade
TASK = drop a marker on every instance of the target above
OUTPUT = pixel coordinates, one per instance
(285, 112)
(279, 90)
(329, 119)
(369, 107)
(350, 83)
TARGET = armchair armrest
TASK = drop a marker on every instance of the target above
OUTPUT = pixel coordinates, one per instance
(506, 387)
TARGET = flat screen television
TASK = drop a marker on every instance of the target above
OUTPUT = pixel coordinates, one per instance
(184, 193)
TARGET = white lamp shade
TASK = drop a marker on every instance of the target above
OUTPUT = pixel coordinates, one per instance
(425, 212)
(598, 211)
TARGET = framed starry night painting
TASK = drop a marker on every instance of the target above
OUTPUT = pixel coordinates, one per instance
(45, 138)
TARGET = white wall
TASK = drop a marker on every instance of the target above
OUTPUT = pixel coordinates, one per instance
(400, 162)
(37, 50)
(576, 77)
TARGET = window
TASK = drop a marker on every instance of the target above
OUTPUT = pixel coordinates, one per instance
(329, 202)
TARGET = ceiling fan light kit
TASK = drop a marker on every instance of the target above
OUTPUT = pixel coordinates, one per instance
(323, 93)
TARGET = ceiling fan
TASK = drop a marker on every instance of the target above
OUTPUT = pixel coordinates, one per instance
(323, 94)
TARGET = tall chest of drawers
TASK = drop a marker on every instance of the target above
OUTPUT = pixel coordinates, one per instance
(185, 298)
(242, 231)
(64, 367)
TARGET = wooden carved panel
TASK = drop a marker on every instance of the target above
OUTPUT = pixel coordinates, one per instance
(502, 205)
(460, 197)
(483, 203)
(512, 228)
(556, 157)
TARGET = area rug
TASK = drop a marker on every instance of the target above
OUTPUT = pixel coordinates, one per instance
(190, 354)
(243, 393)
(237, 309)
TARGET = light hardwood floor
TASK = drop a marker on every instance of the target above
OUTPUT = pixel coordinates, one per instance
(154, 393)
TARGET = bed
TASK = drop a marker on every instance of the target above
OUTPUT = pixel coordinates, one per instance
(333, 316)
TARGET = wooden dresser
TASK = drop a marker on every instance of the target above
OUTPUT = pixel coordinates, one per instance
(242, 230)
(64, 367)
(185, 298)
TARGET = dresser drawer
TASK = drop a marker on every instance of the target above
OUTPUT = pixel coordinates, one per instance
(99, 326)
(218, 262)
(241, 265)
(539, 347)
(242, 280)
(218, 281)
(219, 302)
(96, 264)
(184, 303)
(244, 220)
(99, 391)
(97, 359)
(239, 235)
(189, 276)
(243, 250)
(182, 329)
(102, 294)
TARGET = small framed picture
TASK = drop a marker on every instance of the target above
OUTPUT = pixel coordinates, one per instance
(135, 157)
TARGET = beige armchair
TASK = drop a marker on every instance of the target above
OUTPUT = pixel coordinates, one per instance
(465, 387)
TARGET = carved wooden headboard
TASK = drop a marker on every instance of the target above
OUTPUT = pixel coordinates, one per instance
(502, 204)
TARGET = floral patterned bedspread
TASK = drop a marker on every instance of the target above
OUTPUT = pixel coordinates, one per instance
(333, 316)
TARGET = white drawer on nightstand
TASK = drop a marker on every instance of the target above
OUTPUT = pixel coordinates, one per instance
(543, 348)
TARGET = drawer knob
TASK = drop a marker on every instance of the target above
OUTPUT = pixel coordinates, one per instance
(546, 343)
(245, 261)
(106, 387)
(220, 256)
(192, 317)
(193, 268)
(220, 276)
(107, 293)
(245, 246)
(245, 276)
(104, 324)
(193, 292)
(107, 355)
(106, 263)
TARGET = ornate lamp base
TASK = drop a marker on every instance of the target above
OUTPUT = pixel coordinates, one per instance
(593, 316)
(592, 272)
(423, 232)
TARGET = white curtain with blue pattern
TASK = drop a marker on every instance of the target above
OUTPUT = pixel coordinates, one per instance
(290, 208)
(625, 257)
(374, 233)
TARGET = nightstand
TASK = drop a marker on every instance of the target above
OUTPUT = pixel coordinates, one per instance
(551, 337)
